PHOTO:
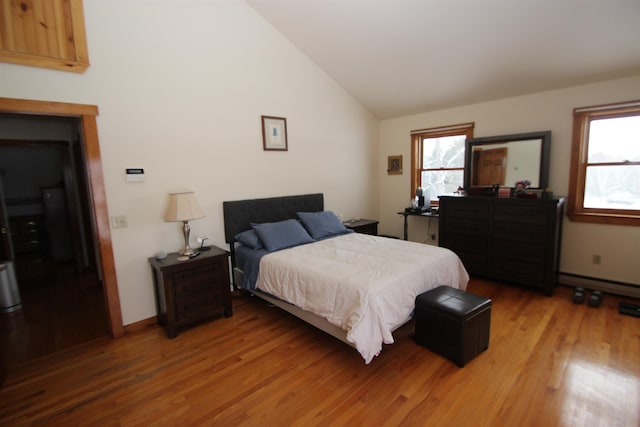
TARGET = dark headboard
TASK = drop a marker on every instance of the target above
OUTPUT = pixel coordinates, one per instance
(238, 215)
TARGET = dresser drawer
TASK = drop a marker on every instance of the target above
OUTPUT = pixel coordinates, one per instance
(461, 227)
(530, 252)
(518, 272)
(459, 209)
(522, 214)
(474, 263)
(461, 242)
(518, 232)
(22, 244)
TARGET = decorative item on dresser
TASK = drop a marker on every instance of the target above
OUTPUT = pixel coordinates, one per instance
(193, 290)
(511, 239)
(364, 226)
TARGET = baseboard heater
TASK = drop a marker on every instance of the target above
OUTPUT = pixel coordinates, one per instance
(604, 285)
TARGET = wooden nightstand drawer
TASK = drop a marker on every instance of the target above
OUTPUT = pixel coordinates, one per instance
(197, 279)
(198, 306)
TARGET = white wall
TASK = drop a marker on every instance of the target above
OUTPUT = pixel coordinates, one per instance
(181, 86)
(618, 246)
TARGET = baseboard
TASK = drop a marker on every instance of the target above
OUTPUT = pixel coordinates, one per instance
(131, 328)
(604, 285)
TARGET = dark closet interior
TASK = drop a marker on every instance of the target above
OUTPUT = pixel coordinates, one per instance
(51, 245)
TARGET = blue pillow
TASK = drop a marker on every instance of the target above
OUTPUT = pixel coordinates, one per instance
(282, 234)
(249, 239)
(321, 225)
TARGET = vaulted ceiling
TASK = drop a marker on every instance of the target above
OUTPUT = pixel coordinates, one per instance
(400, 57)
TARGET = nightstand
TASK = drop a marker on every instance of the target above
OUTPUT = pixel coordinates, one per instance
(364, 226)
(191, 291)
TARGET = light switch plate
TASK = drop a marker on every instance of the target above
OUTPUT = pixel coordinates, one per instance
(119, 221)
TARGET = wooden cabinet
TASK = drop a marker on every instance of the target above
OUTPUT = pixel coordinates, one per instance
(510, 239)
(364, 226)
(193, 290)
(44, 33)
(28, 248)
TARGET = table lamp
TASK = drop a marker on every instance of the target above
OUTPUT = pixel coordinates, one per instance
(184, 207)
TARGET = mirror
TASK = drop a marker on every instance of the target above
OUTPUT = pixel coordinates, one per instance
(507, 159)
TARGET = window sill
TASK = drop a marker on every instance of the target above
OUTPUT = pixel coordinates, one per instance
(631, 220)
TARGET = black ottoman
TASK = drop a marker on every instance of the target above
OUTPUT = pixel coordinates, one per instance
(453, 323)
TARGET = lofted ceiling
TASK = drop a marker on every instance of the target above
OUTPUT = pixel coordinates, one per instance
(401, 57)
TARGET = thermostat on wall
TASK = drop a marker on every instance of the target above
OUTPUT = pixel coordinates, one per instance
(135, 175)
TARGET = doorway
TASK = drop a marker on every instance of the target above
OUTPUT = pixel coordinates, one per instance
(71, 273)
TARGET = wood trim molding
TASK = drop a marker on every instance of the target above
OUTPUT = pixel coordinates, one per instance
(46, 108)
(87, 115)
(576, 211)
(416, 148)
(44, 33)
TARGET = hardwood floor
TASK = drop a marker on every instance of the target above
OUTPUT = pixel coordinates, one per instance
(59, 310)
(549, 363)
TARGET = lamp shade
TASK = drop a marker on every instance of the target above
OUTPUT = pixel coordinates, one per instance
(183, 207)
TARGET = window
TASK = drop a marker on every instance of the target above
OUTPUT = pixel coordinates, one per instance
(437, 159)
(605, 164)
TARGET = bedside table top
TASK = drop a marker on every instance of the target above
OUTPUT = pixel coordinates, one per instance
(172, 258)
(359, 222)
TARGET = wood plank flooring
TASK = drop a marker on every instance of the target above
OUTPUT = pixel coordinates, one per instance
(58, 311)
(549, 363)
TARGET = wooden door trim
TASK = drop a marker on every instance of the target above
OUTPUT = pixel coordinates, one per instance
(87, 115)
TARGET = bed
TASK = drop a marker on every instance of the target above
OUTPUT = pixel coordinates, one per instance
(356, 287)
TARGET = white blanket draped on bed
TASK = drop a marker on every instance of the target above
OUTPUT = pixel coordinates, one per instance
(364, 284)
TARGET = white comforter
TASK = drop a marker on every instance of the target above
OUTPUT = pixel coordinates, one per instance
(364, 284)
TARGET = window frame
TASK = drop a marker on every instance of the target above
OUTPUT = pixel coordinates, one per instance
(416, 150)
(576, 211)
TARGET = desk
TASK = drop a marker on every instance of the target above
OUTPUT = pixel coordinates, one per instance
(408, 214)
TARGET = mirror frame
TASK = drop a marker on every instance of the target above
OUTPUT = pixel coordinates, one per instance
(545, 150)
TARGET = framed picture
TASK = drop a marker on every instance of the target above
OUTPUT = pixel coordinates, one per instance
(394, 165)
(274, 133)
(504, 192)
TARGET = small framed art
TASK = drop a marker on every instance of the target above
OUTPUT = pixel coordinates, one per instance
(394, 165)
(274, 133)
(504, 192)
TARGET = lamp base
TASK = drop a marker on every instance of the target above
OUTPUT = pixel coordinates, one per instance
(189, 252)
(182, 258)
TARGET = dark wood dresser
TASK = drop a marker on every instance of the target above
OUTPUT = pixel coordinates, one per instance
(28, 248)
(190, 291)
(510, 239)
